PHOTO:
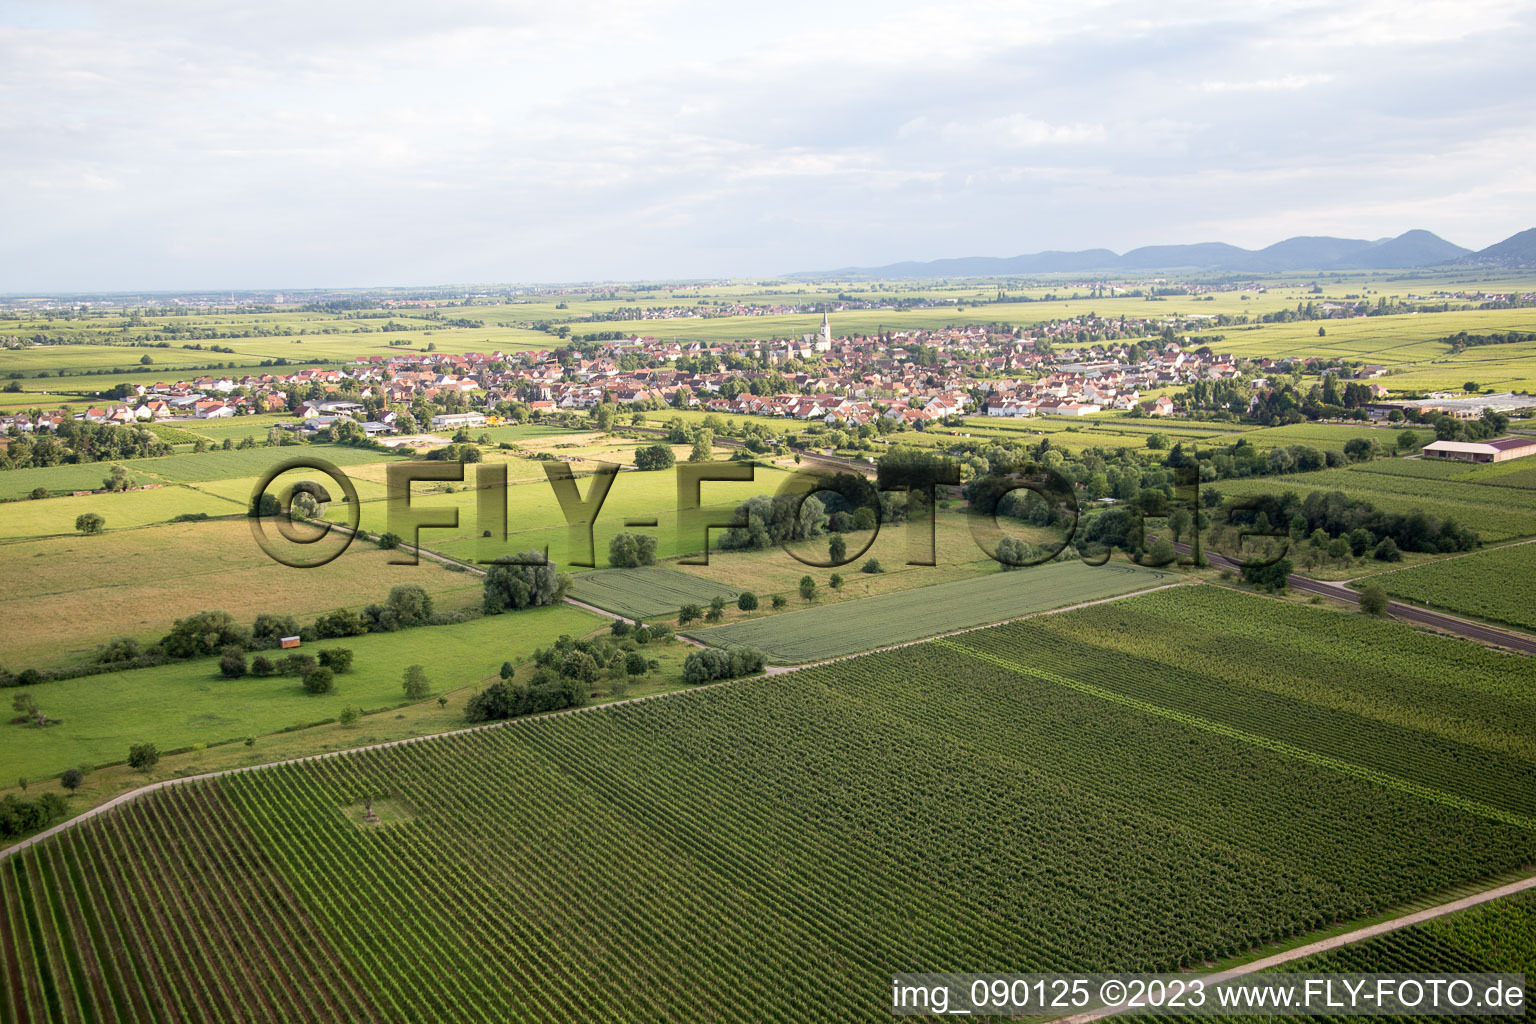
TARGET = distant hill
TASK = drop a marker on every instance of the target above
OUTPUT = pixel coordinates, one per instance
(1411, 249)
(1518, 250)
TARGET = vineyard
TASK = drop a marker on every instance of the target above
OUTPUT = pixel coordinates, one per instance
(849, 627)
(1497, 585)
(1128, 786)
(1497, 937)
(645, 592)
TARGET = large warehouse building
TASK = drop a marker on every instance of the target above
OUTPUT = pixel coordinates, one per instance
(1500, 449)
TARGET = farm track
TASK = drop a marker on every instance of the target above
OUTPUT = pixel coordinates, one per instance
(1337, 941)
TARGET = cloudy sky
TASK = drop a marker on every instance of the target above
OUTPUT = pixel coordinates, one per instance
(180, 144)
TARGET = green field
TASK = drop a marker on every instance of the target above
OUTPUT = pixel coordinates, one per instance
(189, 702)
(1060, 794)
(851, 626)
(1471, 498)
(646, 592)
(1497, 585)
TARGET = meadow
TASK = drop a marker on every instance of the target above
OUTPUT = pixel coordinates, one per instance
(770, 850)
(186, 703)
(846, 627)
(66, 595)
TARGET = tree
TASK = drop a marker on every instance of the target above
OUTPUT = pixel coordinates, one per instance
(143, 756)
(119, 479)
(1157, 442)
(513, 585)
(703, 445)
(836, 581)
(1407, 441)
(1470, 386)
(337, 659)
(580, 666)
(689, 613)
(1388, 551)
(416, 683)
(654, 457)
(747, 601)
(39, 493)
(389, 541)
(807, 587)
(319, 680)
(716, 609)
(146, 360)
(507, 670)
(1338, 550)
(261, 665)
(629, 550)
(89, 523)
(232, 664)
(349, 716)
(635, 664)
(72, 779)
(1178, 523)
(837, 549)
(1373, 600)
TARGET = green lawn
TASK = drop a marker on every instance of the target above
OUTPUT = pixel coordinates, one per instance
(851, 626)
(181, 704)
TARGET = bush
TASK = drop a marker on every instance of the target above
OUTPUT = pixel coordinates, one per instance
(274, 627)
(389, 541)
(507, 670)
(807, 587)
(1373, 600)
(747, 601)
(349, 716)
(1388, 551)
(319, 680)
(72, 779)
(89, 523)
(654, 457)
(545, 692)
(201, 634)
(779, 601)
(580, 666)
(629, 550)
(337, 659)
(619, 628)
(872, 566)
(232, 664)
(416, 683)
(295, 664)
(711, 663)
(836, 581)
(261, 665)
(513, 585)
(39, 492)
(143, 756)
(339, 623)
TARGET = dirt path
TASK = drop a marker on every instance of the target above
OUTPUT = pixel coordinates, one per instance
(1348, 938)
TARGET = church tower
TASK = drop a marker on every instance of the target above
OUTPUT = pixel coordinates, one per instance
(826, 331)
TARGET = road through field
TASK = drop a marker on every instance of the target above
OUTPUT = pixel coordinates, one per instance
(1335, 942)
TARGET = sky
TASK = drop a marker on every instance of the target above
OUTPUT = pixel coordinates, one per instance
(197, 144)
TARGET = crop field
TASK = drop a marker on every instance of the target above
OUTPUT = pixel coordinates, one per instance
(851, 626)
(1328, 435)
(137, 582)
(189, 702)
(646, 592)
(1497, 585)
(1496, 513)
(1116, 807)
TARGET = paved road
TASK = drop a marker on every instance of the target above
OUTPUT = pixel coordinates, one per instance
(1514, 640)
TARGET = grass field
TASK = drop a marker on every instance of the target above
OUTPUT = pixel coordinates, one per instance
(1056, 793)
(847, 627)
(646, 592)
(180, 704)
(49, 517)
(1497, 585)
(137, 582)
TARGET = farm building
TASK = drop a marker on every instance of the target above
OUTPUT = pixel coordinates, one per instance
(1500, 449)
